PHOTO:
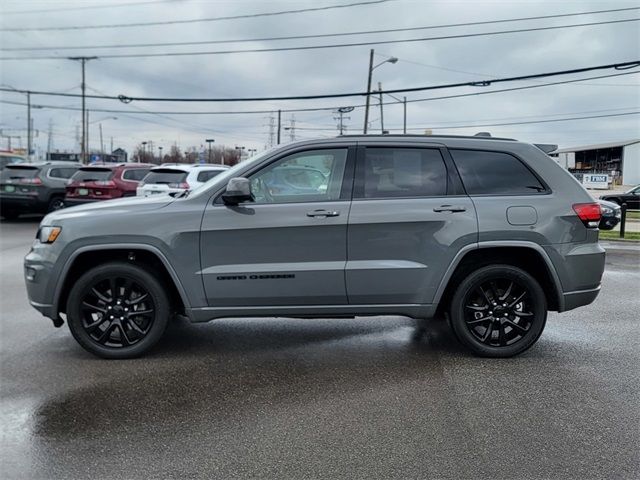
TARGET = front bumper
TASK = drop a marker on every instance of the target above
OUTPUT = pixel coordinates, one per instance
(38, 268)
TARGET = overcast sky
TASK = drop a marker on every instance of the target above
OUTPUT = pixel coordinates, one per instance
(318, 71)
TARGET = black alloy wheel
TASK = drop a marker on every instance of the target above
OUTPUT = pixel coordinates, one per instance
(498, 311)
(56, 203)
(117, 310)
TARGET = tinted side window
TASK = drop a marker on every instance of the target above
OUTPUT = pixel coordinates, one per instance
(403, 172)
(62, 172)
(494, 173)
(208, 175)
(135, 174)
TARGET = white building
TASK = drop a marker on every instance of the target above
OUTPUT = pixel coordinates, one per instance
(619, 160)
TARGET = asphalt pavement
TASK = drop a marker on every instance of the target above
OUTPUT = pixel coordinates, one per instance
(382, 397)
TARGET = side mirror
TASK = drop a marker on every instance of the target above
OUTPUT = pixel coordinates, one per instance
(238, 191)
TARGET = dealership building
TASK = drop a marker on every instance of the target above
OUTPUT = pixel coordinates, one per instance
(619, 160)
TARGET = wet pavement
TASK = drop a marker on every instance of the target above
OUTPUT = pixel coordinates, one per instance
(383, 397)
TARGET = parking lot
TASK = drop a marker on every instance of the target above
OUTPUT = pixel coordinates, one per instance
(384, 397)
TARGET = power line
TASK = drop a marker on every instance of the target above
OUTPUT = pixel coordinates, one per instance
(481, 83)
(323, 35)
(86, 7)
(317, 109)
(335, 45)
(194, 20)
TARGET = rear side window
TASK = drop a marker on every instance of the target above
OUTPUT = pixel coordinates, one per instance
(92, 174)
(165, 176)
(19, 171)
(403, 172)
(208, 175)
(62, 172)
(135, 174)
(495, 173)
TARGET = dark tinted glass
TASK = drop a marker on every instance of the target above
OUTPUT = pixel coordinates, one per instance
(165, 176)
(403, 172)
(62, 172)
(493, 173)
(92, 174)
(208, 175)
(20, 171)
(135, 174)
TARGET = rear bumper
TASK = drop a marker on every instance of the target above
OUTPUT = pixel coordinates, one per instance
(70, 202)
(580, 298)
(21, 203)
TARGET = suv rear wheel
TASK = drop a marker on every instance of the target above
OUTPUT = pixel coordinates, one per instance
(117, 310)
(56, 203)
(498, 311)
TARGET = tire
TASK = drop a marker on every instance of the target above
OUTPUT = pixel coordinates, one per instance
(504, 328)
(56, 203)
(108, 325)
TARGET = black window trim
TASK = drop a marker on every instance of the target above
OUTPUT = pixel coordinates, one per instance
(347, 181)
(453, 187)
(53, 177)
(547, 190)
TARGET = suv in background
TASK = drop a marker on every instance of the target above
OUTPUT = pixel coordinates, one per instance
(7, 158)
(34, 187)
(177, 178)
(105, 182)
(490, 232)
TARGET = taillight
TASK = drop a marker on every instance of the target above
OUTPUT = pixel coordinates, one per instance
(105, 183)
(589, 213)
(31, 181)
(184, 185)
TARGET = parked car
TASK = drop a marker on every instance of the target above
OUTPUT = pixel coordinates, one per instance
(8, 158)
(489, 232)
(631, 197)
(34, 187)
(611, 215)
(94, 183)
(177, 178)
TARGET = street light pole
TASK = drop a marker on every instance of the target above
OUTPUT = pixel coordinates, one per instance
(381, 109)
(29, 133)
(366, 108)
(404, 104)
(85, 126)
(209, 141)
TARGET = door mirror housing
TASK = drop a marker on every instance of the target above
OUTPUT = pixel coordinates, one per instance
(238, 191)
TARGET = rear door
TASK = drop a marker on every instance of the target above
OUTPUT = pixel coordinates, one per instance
(289, 246)
(409, 218)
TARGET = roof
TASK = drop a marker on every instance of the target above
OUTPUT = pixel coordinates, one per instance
(597, 146)
(416, 135)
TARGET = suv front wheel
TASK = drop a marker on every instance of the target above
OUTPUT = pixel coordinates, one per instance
(498, 311)
(117, 310)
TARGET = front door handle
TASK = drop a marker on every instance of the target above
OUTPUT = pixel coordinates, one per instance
(323, 213)
(450, 208)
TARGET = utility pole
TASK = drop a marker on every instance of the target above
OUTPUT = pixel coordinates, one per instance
(341, 112)
(292, 128)
(160, 154)
(85, 127)
(101, 143)
(29, 125)
(404, 123)
(272, 130)
(366, 108)
(49, 140)
(86, 137)
(381, 109)
(279, 125)
(111, 150)
(209, 141)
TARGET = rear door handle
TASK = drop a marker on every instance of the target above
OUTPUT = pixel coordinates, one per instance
(450, 208)
(323, 213)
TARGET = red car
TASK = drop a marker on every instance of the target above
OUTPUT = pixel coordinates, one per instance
(104, 182)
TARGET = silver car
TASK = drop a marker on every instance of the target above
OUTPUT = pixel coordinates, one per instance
(488, 232)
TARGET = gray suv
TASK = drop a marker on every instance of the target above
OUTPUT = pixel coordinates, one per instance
(488, 232)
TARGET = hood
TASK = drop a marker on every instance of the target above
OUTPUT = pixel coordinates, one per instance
(110, 207)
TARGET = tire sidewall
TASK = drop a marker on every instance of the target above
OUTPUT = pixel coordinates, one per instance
(536, 294)
(52, 203)
(156, 291)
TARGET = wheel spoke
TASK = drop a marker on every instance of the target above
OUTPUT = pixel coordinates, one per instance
(478, 320)
(487, 333)
(477, 308)
(134, 326)
(92, 327)
(515, 325)
(100, 296)
(138, 299)
(104, 336)
(518, 299)
(484, 295)
(94, 307)
(494, 291)
(124, 339)
(128, 284)
(507, 292)
(523, 314)
(141, 312)
(501, 337)
(112, 287)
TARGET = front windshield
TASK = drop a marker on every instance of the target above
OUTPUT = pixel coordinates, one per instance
(635, 189)
(224, 177)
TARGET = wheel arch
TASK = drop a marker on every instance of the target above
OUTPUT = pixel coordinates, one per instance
(146, 256)
(526, 255)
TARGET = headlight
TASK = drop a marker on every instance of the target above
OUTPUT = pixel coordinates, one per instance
(48, 234)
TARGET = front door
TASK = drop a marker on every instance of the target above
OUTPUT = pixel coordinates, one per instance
(408, 220)
(289, 246)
